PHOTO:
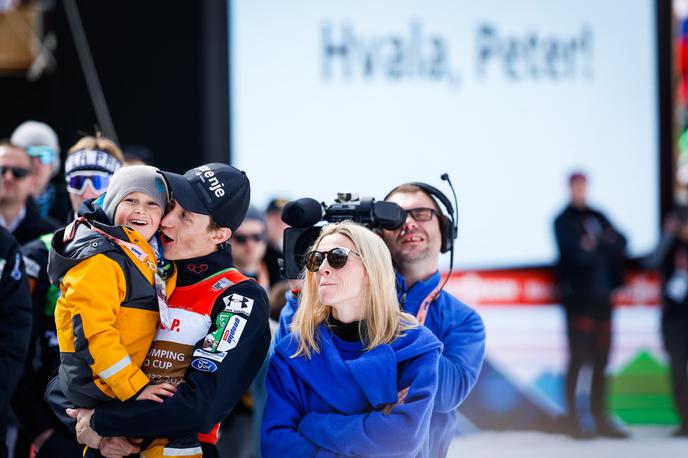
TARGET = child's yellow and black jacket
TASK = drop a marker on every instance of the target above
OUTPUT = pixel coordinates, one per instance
(107, 314)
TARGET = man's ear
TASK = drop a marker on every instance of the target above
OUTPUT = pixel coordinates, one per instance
(220, 235)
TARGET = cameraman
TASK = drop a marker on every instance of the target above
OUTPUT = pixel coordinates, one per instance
(415, 249)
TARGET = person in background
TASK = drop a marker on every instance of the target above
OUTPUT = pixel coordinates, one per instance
(590, 268)
(87, 176)
(356, 376)
(275, 235)
(19, 213)
(89, 166)
(42, 144)
(137, 155)
(671, 258)
(249, 244)
(416, 248)
(15, 325)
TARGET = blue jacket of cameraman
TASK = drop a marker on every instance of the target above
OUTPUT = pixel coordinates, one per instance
(461, 331)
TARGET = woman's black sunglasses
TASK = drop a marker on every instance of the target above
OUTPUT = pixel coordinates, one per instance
(336, 258)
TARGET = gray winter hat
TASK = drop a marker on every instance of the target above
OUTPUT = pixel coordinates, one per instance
(133, 178)
(38, 139)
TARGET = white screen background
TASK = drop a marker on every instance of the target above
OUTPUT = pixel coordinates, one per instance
(508, 143)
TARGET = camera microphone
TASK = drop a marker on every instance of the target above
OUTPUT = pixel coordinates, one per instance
(302, 212)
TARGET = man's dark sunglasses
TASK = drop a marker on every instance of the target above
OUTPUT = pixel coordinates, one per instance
(17, 172)
(243, 238)
(421, 214)
(336, 258)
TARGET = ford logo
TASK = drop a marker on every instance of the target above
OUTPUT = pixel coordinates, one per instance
(204, 365)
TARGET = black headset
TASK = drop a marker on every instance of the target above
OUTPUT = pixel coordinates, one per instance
(449, 225)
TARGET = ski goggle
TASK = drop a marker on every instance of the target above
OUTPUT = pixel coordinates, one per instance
(336, 258)
(77, 183)
(45, 153)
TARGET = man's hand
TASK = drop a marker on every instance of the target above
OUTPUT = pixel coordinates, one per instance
(116, 447)
(84, 434)
(152, 392)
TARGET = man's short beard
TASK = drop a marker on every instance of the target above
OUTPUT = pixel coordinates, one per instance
(9, 201)
(400, 257)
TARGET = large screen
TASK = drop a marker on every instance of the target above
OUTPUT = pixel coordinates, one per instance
(507, 97)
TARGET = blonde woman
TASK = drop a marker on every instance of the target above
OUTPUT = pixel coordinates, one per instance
(356, 376)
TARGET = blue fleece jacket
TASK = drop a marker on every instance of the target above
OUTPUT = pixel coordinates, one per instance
(462, 333)
(332, 403)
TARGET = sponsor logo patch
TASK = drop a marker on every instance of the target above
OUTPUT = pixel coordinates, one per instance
(212, 340)
(221, 285)
(33, 269)
(203, 365)
(218, 356)
(237, 303)
(233, 331)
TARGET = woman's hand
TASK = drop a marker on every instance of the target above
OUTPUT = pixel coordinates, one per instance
(153, 392)
(401, 397)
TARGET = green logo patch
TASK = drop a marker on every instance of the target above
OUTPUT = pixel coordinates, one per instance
(212, 340)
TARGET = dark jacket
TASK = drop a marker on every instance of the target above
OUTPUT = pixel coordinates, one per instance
(670, 258)
(672, 308)
(588, 275)
(33, 225)
(15, 321)
(44, 354)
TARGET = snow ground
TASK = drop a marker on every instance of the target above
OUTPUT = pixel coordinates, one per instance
(645, 442)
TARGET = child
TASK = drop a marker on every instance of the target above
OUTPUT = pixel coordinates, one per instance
(106, 266)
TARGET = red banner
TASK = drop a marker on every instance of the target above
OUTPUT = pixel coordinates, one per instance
(537, 287)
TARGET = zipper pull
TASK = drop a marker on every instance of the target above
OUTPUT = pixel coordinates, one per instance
(403, 298)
